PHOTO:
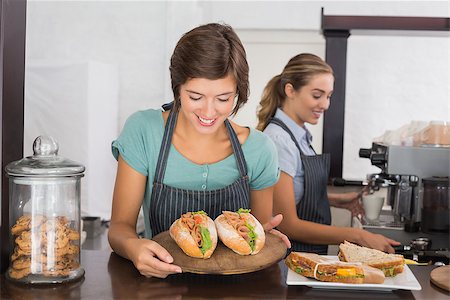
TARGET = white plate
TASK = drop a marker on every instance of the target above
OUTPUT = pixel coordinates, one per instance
(403, 281)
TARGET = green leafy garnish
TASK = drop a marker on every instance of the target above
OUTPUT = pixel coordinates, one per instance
(206, 238)
(252, 235)
(389, 271)
(200, 212)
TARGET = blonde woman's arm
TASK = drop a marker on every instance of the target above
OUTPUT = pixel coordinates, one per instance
(315, 233)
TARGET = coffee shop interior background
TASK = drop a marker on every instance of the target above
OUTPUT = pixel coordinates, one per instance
(90, 64)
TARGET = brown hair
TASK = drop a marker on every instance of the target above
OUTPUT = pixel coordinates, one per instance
(210, 51)
(298, 72)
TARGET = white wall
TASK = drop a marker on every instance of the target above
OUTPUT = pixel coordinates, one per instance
(77, 104)
(392, 81)
(138, 38)
(261, 45)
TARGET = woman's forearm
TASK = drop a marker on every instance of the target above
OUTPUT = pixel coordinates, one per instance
(315, 233)
(118, 236)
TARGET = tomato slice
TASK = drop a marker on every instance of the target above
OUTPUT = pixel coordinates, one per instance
(198, 219)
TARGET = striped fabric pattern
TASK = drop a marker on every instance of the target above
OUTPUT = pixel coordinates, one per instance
(168, 203)
(314, 205)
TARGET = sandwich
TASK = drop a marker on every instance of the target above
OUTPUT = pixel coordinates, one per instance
(390, 264)
(324, 269)
(195, 233)
(240, 231)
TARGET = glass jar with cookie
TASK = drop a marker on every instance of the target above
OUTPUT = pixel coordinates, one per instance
(44, 191)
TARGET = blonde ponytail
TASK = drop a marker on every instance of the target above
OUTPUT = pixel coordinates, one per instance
(270, 101)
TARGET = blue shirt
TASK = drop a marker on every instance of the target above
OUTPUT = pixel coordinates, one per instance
(139, 145)
(288, 154)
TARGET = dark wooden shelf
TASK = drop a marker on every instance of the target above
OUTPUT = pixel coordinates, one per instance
(385, 23)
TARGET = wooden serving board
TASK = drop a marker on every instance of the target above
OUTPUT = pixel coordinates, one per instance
(441, 277)
(224, 261)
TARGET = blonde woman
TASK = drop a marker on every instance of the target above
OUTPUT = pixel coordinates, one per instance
(297, 96)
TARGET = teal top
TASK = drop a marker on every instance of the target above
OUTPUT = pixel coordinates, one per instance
(140, 141)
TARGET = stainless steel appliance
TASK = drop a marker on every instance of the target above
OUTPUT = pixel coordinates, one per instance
(421, 250)
(403, 169)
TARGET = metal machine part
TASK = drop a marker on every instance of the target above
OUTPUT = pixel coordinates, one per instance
(402, 171)
(420, 250)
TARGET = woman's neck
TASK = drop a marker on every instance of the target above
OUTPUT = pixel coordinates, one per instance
(201, 148)
(290, 112)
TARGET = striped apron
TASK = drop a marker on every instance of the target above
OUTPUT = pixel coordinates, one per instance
(168, 203)
(314, 205)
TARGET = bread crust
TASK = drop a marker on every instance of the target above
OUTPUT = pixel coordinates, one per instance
(182, 236)
(373, 275)
(326, 269)
(230, 237)
(294, 258)
(331, 278)
(233, 240)
(395, 261)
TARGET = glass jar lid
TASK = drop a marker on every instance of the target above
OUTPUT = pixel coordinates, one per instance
(45, 162)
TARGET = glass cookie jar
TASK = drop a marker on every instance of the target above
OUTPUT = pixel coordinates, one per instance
(44, 195)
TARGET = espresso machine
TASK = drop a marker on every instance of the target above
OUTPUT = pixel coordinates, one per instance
(404, 170)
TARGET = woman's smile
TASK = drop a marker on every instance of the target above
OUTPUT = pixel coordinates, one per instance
(317, 114)
(206, 121)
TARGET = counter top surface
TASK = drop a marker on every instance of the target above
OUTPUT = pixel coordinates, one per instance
(108, 276)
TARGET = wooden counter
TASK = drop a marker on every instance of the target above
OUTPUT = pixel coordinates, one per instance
(109, 276)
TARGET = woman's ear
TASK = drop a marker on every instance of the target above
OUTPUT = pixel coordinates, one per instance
(289, 90)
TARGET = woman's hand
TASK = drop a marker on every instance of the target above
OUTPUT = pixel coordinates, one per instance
(274, 222)
(377, 241)
(352, 202)
(151, 259)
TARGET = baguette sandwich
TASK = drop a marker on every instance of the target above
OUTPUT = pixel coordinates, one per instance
(195, 233)
(240, 231)
(390, 264)
(321, 268)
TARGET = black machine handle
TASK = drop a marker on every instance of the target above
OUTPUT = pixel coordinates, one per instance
(343, 182)
(365, 153)
(377, 158)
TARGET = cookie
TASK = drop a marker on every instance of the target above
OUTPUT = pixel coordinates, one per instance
(22, 262)
(73, 235)
(30, 241)
(26, 222)
(18, 274)
(52, 242)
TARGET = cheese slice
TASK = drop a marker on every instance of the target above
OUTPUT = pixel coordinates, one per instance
(346, 272)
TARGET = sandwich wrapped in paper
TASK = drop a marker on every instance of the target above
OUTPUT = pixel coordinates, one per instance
(390, 264)
(324, 269)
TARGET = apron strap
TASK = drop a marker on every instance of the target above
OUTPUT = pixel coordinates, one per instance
(167, 106)
(237, 149)
(280, 123)
(165, 145)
